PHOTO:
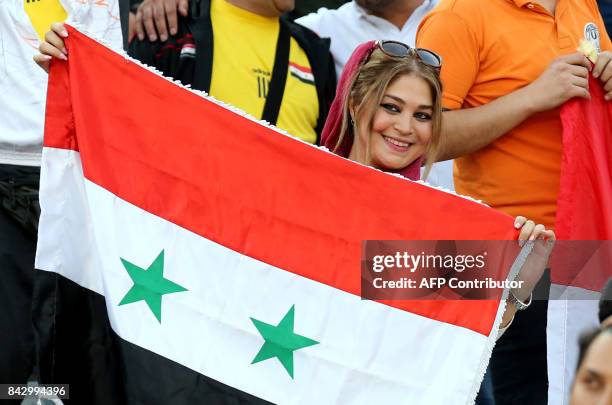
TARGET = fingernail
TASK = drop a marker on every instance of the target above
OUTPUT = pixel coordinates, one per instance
(173, 31)
(531, 238)
(521, 243)
(596, 74)
(607, 97)
(63, 57)
(64, 33)
(152, 38)
(65, 51)
(517, 225)
(163, 37)
(141, 36)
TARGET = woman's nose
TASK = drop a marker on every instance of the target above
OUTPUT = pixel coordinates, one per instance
(404, 125)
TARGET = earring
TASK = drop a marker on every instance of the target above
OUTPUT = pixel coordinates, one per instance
(352, 123)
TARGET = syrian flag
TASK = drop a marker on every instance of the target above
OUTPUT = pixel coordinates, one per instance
(302, 73)
(219, 262)
(584, 220)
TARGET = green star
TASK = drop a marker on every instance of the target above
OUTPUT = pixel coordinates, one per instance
(280, 341)
(149, 285)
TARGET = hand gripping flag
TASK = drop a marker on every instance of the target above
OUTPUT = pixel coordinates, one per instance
(584, 219)
(202, 257)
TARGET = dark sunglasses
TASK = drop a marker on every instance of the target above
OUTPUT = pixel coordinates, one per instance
(397, 49)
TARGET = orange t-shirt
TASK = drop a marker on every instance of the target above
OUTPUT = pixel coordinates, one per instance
(490, 48)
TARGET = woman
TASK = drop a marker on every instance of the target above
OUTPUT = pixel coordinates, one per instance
(387, 114)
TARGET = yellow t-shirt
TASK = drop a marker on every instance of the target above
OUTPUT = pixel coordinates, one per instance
(244, 50)
(43, 13)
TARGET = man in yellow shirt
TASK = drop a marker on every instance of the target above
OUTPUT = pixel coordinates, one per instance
(243, 53)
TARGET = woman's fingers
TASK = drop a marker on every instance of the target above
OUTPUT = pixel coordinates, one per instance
(50, 50)
(537, 231)
(526, 231)
(53, 40)
(42, 61)
(59, 29)
(53, 47)
(519, 222)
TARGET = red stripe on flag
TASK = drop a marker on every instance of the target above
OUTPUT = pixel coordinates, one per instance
(300, 68)
(244, 186)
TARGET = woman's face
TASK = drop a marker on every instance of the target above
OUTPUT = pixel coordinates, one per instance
(401, 126)
(593, 384)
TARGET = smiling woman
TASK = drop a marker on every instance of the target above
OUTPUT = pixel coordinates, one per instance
(387, 112)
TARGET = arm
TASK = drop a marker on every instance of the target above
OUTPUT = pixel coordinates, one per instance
(534, 265)
(467, 130)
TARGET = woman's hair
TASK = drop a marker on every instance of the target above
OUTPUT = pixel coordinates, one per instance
(605, 302)
(367, 88)
(587, 338)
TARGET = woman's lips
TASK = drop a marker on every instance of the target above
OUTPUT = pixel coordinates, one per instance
(394, 144)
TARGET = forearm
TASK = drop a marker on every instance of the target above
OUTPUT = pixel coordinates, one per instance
(467, 130)
(508, 314)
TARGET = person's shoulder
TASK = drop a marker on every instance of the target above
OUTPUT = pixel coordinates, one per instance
(345, 10)
(461, 8)
(596, 4)
(325, 19)
(300, 30)
(309, 40)
(458, 14)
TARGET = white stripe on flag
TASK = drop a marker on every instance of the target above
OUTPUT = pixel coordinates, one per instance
(574, 312)
(367, 352)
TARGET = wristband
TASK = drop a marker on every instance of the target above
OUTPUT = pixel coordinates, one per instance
(520, 305)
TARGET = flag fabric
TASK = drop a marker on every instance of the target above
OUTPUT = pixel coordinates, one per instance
(205, 257)
(583, 214)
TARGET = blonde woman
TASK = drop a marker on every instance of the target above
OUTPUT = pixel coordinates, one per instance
(387, 114)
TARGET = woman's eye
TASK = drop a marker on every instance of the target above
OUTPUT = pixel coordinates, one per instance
(592, 382)
(422, 116)
(390, 107)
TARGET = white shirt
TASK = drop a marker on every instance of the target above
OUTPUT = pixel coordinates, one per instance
(351, 25)
(23, 85)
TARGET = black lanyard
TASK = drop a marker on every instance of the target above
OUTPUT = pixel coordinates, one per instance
(201, 28)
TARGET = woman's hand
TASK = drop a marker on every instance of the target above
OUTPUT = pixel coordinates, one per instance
(53, 47)
(536, 262)
(543, 241)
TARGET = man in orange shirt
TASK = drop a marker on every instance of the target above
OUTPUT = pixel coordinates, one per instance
(508, 65)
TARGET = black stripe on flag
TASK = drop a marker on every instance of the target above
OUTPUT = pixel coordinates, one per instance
(303, 80)
(77, 346)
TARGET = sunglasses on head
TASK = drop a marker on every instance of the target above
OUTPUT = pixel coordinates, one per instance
(397, 49)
